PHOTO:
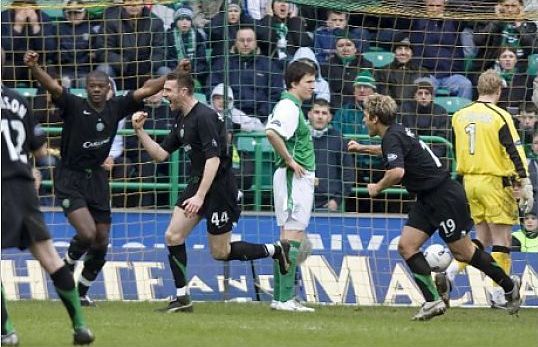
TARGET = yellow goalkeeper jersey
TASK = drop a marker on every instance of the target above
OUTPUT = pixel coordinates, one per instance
(486, 142)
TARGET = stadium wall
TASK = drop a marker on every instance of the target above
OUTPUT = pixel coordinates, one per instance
(354, 261)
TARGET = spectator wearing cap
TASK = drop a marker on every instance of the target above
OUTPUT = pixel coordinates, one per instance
(349, 121)
(220, 36)
(280, 33)
(337, 26)
(341, 70)
(398, 78)
(424, 117)
(526, 239)
(256, 80)
(130, 44)
(183, 41)
(436, 41)
(76, 41)
(24, 27)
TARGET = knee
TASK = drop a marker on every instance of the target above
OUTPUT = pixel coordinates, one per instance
(101, 240)
(173, 238)
(87, 234)
(405, 250)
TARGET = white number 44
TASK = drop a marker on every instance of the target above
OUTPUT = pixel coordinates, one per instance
(217, 221)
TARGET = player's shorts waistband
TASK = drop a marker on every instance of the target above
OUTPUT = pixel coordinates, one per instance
(87, 171)
(507, 181)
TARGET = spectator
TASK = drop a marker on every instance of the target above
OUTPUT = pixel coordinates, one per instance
(517, 85)
(398, 78)
(349, 120)
(526, 122)
(321, 87)
(535, 92)
(341, 70)
(334, 165)
(217, 38)
(75, 42)
(436, 41)
(203, 10)
(257, 9)
(526, 239)
(532, 162)
(24, 26)
(424, 117)
(337, 26)
(281, 34)
(490, 36)
(131, 44)
(187, 42)
(256, 80)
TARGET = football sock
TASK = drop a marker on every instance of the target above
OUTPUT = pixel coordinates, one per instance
(177, 258)
(241, 250)
(501, 255)
(7, 326)
(458, 266)
(485, 263)
(287, 281)
(276, 281)
(65, 287)
(93, 263)
(77, 247)
(422, 274)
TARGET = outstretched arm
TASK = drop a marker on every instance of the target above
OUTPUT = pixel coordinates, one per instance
(354, 146)
(154, 85)
(155, 150)
(31, 59)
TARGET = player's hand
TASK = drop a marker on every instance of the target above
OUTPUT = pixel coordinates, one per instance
(108, 163)
(138, 119)
(526, 200)
(37, 178)
(192, 205)
(332, 205)
(373, 189)
(31, 58)
(354, 146)
(298, 169)
(184, 66)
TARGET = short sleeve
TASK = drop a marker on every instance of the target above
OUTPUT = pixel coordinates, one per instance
(36, 134)
(127, 105)
(209, 135)
(284, 119)
(171, 142)
(393, 154)
(67, 103)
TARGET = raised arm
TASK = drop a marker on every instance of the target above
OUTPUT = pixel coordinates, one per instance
(31, 59)
(155, 150)
(354, 146)
(154, 85)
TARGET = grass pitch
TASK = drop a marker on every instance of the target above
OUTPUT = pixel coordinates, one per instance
(134, 324)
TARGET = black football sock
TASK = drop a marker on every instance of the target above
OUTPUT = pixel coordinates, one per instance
(422, 274)
(241, 250)
(485, 263)
(93, 263)
(77, 248)
(178, 264)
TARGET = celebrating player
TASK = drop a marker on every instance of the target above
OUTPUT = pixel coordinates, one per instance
(293, 182)
(441, 204)
(492, 162)
(211, 192)
(81, 183)
(23, 225)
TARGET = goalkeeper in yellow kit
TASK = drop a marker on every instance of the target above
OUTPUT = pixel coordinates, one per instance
(492, 161)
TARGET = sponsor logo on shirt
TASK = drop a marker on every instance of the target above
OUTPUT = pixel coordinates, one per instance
(392, 157)
(99, 126)
(87, 113)
(95, 144)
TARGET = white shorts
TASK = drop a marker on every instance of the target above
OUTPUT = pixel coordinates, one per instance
(293, 211)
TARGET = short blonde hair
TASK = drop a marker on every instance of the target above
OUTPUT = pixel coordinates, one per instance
(381, 106)
(489, 83)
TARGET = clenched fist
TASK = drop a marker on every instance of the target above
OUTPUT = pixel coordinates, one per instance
(138, 119)
(31, 58)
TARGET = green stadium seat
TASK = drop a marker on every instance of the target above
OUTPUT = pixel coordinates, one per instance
(532, 70)
(451, 103)
(200, 97)
(379, 59)
(27, 92)
(79, 92)
(442, 92)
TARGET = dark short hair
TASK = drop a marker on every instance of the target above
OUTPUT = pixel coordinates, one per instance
(527, 107)
(296, 71)
(322, 103)
(185, 80)
(98, 74)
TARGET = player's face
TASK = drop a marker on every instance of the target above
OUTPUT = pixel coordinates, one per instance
(319, 117)
(507, 60)
(423, 97)
(403, 54)
(371, 124)
(345, 48)
(305, 87)
(97, 89)
(171, 93)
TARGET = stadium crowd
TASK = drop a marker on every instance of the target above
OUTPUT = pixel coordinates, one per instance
(238, 52)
